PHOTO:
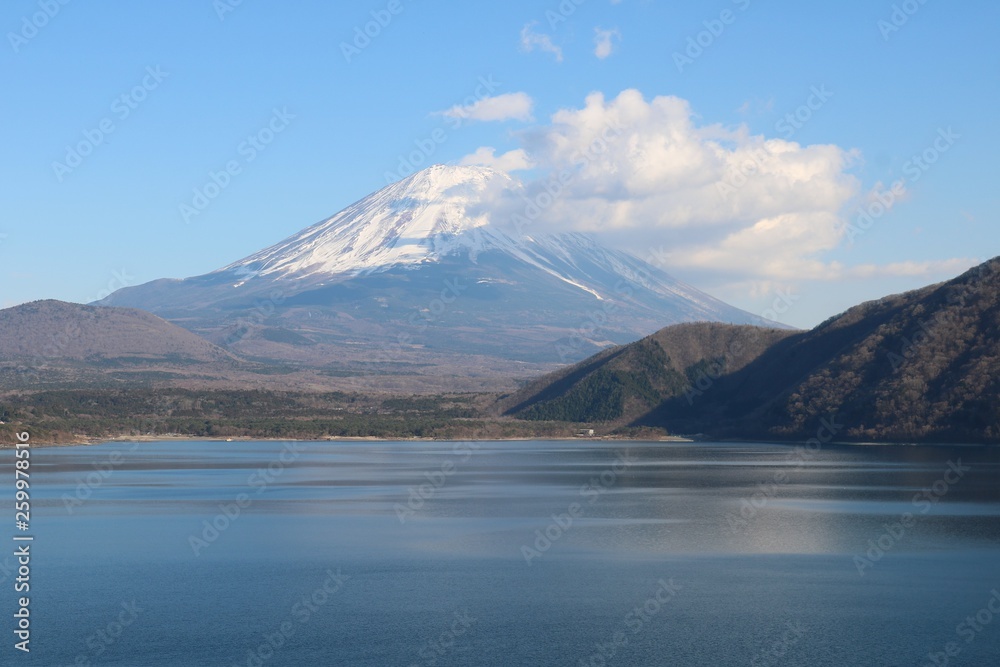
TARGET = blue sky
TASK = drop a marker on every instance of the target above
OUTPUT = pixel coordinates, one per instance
(200, 77)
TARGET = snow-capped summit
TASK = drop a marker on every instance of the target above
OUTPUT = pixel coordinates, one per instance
(418, 219)
(421, 268)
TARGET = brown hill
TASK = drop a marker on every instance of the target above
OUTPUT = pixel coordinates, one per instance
(48, 345)
(924, 365)
(626, 382)
(55, 330)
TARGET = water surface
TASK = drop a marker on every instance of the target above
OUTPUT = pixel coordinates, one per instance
(510, 553)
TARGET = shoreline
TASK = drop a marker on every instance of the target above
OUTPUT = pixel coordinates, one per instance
(174, 437)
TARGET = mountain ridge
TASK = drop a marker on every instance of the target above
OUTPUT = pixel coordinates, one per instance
(379, 271)
(370, 234)
(922, 365)
(52, 329)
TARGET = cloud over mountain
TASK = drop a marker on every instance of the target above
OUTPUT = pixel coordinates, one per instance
(740, 207)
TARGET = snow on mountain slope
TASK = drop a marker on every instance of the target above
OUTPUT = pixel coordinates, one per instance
(418, 219)
(427, 266)
(436, 213)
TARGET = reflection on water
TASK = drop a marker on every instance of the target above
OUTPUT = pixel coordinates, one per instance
(514, 553)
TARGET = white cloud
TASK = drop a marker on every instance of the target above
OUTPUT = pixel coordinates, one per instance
(531, 40)
(725, 206)
(604, 42)
(508, 106)
(515, 160)
(729, 209)
(645, 170)
(909, 269)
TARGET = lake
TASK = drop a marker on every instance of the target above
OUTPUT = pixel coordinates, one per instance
(509, 553)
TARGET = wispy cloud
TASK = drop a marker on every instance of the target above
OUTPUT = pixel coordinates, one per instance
(756, 105)
(604, 42)
(515, 160)
(531, 40)
(509, 106)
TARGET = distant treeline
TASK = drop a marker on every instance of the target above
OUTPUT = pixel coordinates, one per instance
(73, 415)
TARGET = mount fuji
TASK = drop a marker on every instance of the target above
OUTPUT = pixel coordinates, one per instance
(421, 275)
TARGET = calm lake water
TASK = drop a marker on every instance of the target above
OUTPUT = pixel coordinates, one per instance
(511, 553)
